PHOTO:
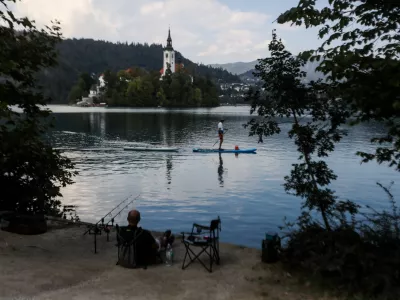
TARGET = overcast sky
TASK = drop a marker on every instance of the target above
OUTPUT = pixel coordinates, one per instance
(207, 31)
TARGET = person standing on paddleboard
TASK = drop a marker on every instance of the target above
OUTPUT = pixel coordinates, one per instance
(220, 133)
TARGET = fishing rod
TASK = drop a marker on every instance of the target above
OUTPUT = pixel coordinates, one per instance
(117, 214)
(109, 213)
(98, 228)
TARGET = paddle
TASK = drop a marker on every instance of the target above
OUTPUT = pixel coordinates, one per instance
(218, 139)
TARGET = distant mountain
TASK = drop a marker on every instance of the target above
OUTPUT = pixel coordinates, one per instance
(245, 70)
(236, 67)
(248, 77)
(309, 68)
(95, 57)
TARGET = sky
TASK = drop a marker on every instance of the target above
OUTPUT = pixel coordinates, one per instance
(205, 31)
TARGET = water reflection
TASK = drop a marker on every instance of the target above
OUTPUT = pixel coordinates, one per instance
(95, 123)
(166, 128)
(251, 199)
(221, 171)
(102, 125)
(169, 168)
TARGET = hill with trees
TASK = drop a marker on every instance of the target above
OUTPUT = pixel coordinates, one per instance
(77, 56)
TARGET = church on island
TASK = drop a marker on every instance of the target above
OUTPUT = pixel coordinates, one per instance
(169, 59)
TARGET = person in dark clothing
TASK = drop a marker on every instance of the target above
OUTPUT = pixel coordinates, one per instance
(147, 247)
(260, 139)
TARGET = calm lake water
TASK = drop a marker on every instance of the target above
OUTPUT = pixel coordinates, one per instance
(178, 189)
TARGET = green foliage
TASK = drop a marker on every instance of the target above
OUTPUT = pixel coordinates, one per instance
(87, 55)
(145, 89)
(80, 89)
(32, 172)
(75, 94)
(314, 135)
(355, 257)
(161, 97)
(383, 228)
(197, 95)
(360, 56)
(86, 81)
(168, 73)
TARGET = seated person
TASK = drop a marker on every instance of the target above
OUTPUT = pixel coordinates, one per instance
(147, 247)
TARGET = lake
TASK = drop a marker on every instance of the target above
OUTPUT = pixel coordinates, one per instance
(177, 189)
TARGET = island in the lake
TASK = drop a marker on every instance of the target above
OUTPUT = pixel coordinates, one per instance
(177, 83)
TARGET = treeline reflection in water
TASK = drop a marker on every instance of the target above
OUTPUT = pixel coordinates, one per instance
(180, 188)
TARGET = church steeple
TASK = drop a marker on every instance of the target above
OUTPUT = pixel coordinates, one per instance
(169, 41)
(169, 56)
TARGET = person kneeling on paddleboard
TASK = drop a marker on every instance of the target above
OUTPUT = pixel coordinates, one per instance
(220, 133)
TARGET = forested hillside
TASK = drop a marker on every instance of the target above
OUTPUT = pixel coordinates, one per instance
(87, 55)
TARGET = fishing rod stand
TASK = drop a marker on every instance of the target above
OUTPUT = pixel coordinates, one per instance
(100, 226)
(97, 229)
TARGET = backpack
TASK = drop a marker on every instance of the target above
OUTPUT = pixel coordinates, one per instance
(127, 248)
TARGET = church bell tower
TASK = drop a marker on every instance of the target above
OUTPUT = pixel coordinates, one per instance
(169, 55)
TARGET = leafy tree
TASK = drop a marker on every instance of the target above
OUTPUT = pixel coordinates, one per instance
(147, 92)
(166, 81)
(286, 96)
(140, 92)
(75, 94)
(79, 90)
(111, 82)
(168, 74)
(209, 91)
(176, 92)
(87, 81)
(133, 92)
(197, 97)
(32, 172)
(360, 57)
(162, 99)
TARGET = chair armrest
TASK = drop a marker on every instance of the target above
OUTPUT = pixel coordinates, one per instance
(183, 234)
(189, 236)
(191, 233)
(201, 226)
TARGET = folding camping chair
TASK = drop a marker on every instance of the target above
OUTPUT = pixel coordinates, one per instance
(206, 238)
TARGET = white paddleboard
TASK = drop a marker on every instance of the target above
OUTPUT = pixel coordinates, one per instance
(159, 149)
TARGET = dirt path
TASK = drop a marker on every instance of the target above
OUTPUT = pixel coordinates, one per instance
(61, 265)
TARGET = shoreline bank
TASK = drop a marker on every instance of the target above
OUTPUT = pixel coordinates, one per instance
(60, 264)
